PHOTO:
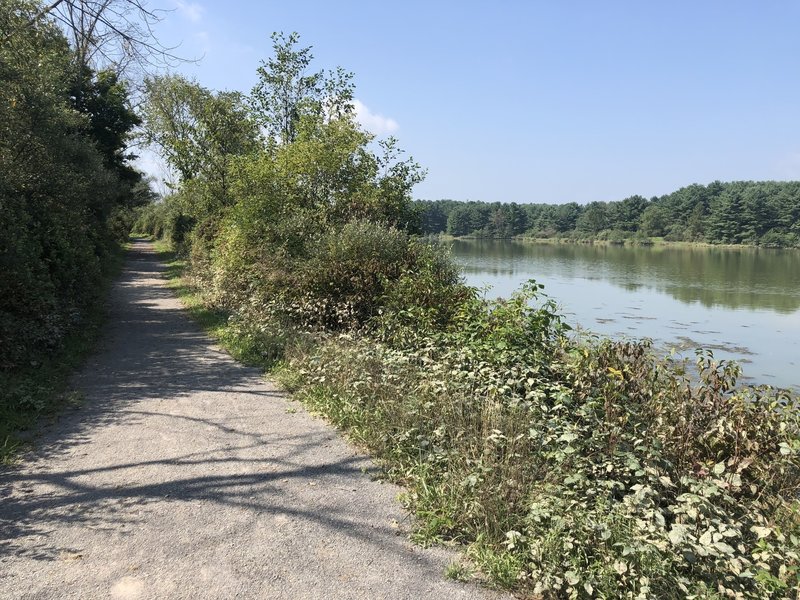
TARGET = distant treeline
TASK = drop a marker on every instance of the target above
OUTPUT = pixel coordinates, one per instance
(765, 213)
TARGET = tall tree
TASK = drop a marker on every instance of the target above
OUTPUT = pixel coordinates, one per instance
(198, 131)
(103, 97)
(286, 92)
(593, 219)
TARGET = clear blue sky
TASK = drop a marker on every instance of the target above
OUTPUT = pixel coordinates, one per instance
(541, 101)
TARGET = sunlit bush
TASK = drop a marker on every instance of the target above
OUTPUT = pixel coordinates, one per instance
(575, 470)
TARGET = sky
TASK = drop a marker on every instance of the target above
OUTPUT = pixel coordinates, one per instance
(534, 101)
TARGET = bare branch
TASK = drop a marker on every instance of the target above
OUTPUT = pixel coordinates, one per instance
(34, 19)
(117, 34)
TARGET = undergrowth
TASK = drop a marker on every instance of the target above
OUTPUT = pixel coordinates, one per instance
(606, 476)
(214, 320)
(40, 389)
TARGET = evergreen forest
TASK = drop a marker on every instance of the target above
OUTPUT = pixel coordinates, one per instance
(757, 213)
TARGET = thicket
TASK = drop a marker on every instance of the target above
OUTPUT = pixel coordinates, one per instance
(569, 470)
(763, 213)
(66, 194)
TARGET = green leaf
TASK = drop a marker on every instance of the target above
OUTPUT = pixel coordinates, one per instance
(706, 539)
(677, 534)
(572, 577)
(724, 548)
(761, 532)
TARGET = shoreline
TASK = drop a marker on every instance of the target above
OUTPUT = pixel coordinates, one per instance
(629, 243)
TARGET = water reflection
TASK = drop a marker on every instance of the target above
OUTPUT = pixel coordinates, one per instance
(743, 303)
(733, 278)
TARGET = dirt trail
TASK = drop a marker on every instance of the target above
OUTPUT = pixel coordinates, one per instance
(186, 475)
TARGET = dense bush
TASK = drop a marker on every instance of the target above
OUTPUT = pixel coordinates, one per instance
(777, 239)
(66, 195)
(576, 470)
(342, 280)
(63, 194)
(165, 221)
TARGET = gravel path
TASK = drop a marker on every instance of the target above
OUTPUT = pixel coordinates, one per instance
(186, 475)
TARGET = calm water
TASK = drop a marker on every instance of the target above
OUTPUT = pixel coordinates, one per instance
(744, 304)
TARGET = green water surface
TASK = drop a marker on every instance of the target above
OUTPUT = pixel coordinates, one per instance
(742, 303)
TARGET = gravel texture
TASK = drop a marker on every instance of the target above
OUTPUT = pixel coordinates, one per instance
(184, 474)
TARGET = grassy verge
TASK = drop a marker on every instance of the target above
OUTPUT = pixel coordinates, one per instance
(608, 476)
(214, 321)
(42, 390)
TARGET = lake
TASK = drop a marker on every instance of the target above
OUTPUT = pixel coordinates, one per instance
(742, 303)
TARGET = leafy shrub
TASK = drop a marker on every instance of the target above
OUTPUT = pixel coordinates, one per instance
(641, 239)
(165, 220)
(778, 239)
(676, 234)
(423, 299)
(342, 278)
(575, 470)
(341, 281)
(614, 236)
